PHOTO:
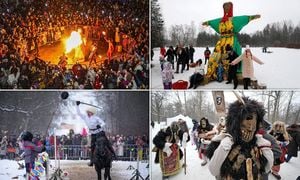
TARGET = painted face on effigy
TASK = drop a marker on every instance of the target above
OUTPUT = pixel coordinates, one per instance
(248, 127)
(227, 7)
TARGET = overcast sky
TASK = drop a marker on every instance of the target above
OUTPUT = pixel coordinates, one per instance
(186, 11)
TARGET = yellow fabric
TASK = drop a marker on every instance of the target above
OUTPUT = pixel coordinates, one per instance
(219, 54)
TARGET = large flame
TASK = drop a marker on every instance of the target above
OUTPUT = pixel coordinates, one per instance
(73, 41)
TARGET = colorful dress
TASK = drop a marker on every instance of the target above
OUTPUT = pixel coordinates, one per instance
(228, 30)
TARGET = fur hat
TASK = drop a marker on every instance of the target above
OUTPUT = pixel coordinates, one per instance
(91, 109)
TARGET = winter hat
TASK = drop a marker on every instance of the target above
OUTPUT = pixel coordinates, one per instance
(91, 109)
(247, 47)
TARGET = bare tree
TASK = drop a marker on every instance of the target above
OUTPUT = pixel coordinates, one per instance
(157, 98)
(183, 34)
(289, 106)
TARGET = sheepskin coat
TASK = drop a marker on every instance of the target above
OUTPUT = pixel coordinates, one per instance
(247, 65)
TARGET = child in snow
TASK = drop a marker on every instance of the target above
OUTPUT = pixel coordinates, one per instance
(167, 75)
(220, 71)
(247, 65)
(30, 151)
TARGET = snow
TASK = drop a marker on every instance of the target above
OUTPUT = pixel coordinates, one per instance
(279, 71)
(9, 169)
(196, 171)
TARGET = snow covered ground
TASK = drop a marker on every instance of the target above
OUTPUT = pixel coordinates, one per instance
(280, 70)
(77, 170)
(288, 171)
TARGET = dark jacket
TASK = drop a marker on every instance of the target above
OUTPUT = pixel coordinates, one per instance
(294, 144)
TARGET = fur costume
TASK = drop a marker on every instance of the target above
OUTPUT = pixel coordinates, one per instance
(203, 138)
(171, 135)
(232, 155)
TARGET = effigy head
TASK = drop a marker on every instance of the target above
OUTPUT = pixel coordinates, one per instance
(228, 9)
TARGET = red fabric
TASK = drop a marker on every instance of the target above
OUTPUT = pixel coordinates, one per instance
(228, 15)
(163, 51)
(284, 151)
(84, 132)
(180, 85)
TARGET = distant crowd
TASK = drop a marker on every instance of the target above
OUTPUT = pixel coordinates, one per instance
(28, 25)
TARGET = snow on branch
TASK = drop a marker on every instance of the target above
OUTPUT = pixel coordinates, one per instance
(14, 110)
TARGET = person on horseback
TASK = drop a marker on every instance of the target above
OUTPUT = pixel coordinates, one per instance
(95, 125)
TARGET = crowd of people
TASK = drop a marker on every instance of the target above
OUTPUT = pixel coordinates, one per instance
(75, 146)
(28, 25)
(228, 145)
(223, 70)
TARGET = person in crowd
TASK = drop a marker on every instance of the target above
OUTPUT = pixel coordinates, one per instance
(167, 148)
(191, 53)
(198, 75)
(163, 51)
(3, 147)
(206, 55)
(294, 145)
(167, 75)
(186, 62)
(232, 55)
(282, 137)
(195, 133)
(170, 56)
(204, 138)
(182, 59)
(30, 151)
(247, 65)
(18, 41)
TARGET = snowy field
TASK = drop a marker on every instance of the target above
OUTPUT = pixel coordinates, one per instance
(77, 170)
(280, 70)
(288, 171)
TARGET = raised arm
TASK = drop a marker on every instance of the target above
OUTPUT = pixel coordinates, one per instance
(254, 58)
(237, 60)
(213, 24)
(79, 112)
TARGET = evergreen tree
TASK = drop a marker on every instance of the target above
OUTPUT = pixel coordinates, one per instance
(157, 25)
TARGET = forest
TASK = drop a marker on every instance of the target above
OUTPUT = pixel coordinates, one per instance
(276, 34)
(279, 105)
(39, 112)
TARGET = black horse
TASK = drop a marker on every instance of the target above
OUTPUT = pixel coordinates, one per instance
(103, 156)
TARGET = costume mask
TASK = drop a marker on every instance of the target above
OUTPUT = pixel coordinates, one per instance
(174, 127)
(248, 127)
(222, 121)
(203, 123)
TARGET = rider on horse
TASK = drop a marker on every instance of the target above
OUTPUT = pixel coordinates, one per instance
(95, 125)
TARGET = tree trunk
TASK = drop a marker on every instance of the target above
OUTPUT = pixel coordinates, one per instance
(289, 107)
